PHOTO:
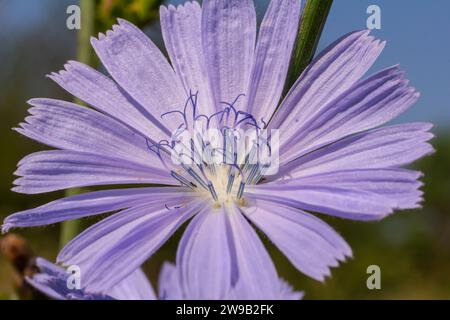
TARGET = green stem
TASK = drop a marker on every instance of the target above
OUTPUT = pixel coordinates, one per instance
(84, 48)
(313, 19)
(69, 229)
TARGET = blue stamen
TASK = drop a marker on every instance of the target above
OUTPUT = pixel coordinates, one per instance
(174, 208)
(183, 180)
(230, 182)
(195, 175)
(241, 190)
(212, 191)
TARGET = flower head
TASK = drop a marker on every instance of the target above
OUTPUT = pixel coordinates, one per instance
(53, 280)
(334, 158)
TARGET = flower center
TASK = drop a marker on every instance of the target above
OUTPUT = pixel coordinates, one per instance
(217, 155)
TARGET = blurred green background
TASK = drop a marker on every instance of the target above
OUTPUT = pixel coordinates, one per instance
(411, 247)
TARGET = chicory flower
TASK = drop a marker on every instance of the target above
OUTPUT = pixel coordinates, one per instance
(334, 158)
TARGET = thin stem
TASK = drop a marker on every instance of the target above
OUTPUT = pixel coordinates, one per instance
(313, 19)
(84, 49)
(69, 229)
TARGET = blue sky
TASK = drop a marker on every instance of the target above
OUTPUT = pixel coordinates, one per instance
(418, 37)
(417, 34)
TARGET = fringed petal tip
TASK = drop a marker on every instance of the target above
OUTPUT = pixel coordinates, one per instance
(419, 126)
(63, 73)
(100, 36)
(340, 258)
(120, 26)
(6, 226)
(16, 181)
(170, 11)
(322, 275)
(363, 33)
(429, 148)
(325, 274)
(347, 253)
(22, 129)
(288, 228)
(432, 149)
(38, 103)
(20, 186)
(180, 7)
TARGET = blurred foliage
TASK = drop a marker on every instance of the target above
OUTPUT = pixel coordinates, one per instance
(96, 16)
(140, 12)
